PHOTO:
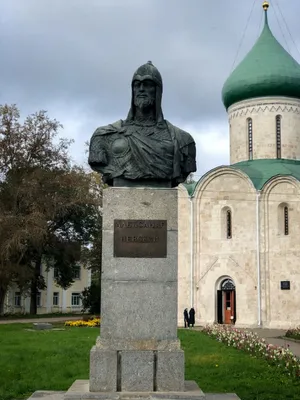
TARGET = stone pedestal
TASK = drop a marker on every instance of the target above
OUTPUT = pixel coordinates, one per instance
(138, 355)
(138, 350)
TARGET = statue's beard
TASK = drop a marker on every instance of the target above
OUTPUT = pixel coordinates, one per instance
(144, 103)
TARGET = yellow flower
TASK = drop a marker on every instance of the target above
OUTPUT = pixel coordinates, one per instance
(92, 323)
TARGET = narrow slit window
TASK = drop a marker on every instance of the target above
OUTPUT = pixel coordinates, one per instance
(228, 224)
(286, 220)
(278, 136)
(250, 138)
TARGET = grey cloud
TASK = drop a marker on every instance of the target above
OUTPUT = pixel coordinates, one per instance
(81, 54)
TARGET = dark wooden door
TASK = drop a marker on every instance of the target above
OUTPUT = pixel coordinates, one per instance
(229, 306)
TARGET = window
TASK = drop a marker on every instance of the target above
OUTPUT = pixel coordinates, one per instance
(228, 224)
(38, 299)
(286, 220)
(76, 272)
(55, 298)
(75, 300)
(283, 219)
(250, 138)
(278, 136)
(227, 285)
(17, 299)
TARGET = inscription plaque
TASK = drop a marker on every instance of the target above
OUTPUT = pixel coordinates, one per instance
(138, 238)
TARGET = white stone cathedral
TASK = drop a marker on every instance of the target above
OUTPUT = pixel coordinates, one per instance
(239, 225)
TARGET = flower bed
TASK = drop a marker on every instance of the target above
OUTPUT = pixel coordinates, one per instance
(91, 323)
(293, 333)
(257, 347)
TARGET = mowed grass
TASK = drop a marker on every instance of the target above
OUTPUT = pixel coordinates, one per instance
(42, 360)
(53, 360)
(219, 368)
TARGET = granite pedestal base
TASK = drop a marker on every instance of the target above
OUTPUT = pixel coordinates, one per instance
(80, 391)
(136, 366)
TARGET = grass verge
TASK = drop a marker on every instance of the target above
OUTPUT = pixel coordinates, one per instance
(293, 333)
(52, 360)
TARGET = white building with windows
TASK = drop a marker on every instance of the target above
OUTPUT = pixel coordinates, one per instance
(52, 300)
(239, 225)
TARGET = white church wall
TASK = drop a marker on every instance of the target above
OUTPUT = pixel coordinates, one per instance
(282, 252)
(215, 254)
(263, 112)
(184, 252)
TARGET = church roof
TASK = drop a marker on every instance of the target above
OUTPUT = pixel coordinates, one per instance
(190, 187)
(267, 70)
(260, 171)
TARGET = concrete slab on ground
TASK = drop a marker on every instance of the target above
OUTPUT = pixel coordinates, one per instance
(47, 395)
(56, 395)
(80, 390)
(218, 396)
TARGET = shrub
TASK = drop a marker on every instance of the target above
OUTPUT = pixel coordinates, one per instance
(293, 333)
(91, 298)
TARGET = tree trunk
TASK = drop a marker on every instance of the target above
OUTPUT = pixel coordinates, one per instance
(33, 296)
(100, 281)
(34, 287)
(2, 298)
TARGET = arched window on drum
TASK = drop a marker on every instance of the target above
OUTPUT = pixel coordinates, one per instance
(250, 138)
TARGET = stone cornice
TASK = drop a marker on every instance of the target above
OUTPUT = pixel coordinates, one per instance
(262, 106)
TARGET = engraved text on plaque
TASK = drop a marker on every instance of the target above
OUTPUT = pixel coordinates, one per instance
(140, 238)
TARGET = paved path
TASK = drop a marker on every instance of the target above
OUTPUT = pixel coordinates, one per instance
(32, 320)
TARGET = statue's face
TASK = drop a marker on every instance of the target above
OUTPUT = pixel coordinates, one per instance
(144, 93)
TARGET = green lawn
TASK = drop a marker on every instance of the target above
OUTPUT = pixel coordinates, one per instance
(52, 360)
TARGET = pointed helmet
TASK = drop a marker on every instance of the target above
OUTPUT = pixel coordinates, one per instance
(150, 72)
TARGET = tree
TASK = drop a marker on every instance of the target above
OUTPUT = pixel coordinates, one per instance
(49, 209)
(91, 297)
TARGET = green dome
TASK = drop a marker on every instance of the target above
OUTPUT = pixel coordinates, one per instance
(267, 70)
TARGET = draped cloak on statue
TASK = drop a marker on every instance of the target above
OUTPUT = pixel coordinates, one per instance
(135, 151)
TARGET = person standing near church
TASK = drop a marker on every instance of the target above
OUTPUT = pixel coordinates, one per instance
(186, 318)
(192, 317)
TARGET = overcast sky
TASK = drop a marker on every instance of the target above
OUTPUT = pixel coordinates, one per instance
(76, 58)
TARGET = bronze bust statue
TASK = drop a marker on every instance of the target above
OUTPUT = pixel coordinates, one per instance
(144, 149)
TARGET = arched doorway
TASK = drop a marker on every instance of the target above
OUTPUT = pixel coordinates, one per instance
(226, 302)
